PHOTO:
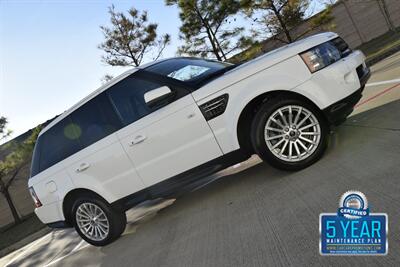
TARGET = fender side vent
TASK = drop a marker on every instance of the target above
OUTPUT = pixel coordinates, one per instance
(214, 107)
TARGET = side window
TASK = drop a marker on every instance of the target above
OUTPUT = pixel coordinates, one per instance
(128, 98)
(94, 120)
(57, 143)
(89, 123)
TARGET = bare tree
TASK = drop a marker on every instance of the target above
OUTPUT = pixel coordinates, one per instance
(11, 166)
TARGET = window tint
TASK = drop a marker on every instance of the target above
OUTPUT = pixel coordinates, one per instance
(57, 143)
(91, 122)
(94, 120)
(128, 98)
(35, 168)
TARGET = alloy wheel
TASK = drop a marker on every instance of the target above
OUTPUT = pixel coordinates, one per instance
(292, 133)
(92, 221)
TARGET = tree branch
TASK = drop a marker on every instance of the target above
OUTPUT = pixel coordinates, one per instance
(15, 173)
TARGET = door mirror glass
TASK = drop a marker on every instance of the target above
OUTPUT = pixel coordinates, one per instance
(158, 96)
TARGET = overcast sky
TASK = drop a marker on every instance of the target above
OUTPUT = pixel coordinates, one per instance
(49, 58)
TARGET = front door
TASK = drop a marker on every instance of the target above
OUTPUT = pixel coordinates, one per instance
(165, 141)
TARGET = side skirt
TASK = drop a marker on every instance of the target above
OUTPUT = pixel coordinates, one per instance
(181, 183)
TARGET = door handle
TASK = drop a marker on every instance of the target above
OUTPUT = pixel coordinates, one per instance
(82, 167)
(138, 139)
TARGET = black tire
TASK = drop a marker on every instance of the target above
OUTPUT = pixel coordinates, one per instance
(116, 219)
(258, 134)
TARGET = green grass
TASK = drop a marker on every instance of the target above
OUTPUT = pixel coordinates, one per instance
(381, 45)
(14, 233)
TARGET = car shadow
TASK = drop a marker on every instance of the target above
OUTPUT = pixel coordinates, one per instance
(237, 189)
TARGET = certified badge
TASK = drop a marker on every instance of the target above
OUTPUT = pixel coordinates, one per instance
(353, 230)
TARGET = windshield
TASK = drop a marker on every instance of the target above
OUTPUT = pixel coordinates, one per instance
(191, 70)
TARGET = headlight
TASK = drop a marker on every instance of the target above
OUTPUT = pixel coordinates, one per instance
(321, 56)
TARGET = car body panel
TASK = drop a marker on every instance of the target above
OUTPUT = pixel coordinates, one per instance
(280, 77)
(168, 151)
(177, 138)
(111, 173)
(263, 63)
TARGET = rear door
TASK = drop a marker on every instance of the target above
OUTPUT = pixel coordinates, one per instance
(165, 141)
(101, 164)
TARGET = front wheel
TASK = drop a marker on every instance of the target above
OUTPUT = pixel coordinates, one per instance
(96, 221)
(290, 134)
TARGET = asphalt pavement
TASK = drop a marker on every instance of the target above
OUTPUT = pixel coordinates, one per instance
(255, 215)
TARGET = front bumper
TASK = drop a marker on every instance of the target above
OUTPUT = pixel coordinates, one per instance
(339, 111)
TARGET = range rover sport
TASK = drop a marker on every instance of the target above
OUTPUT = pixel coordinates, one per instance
(160, 127)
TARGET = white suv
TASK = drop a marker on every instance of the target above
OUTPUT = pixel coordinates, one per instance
(156, 129)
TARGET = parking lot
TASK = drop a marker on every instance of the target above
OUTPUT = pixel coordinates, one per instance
(254, 215)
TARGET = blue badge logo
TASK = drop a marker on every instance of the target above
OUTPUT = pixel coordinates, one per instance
(353, 230)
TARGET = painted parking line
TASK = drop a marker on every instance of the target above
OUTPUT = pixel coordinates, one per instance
(377, 95)
(383, 82)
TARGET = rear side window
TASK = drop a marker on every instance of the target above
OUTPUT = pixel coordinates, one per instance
(95, 120)
(56, 144)
(91, 122)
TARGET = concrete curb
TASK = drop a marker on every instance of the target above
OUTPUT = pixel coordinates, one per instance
(382, 56)
(25, 241)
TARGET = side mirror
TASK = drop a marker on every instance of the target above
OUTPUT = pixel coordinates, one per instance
(158, 96)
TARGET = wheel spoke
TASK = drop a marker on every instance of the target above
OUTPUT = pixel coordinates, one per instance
(303, 120)
(274, 129)
(310, 133)
(85, 225)
(283, 117)
(103, 224)
(96, 231)
(274, 137)
(290, 150)
(83, 214)
(302, 145)
(308, 126)
(297, 116)
(307, 140)
(283, 147)
(102, 231)
(278, 123)
(290, 115)
(297, 149)
(278, 143)
(87, 210)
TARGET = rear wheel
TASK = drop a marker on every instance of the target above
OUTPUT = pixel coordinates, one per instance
(290, 134)
(96, 221)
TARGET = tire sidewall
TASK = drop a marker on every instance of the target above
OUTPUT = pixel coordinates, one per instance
(258, 137)
(115, 219)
